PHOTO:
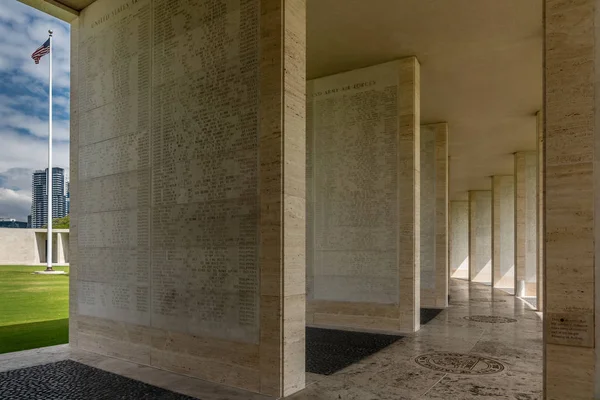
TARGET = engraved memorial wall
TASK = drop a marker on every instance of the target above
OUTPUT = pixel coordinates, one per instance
(172, 238)
(362, 181)
(165, 141)
(353, 129)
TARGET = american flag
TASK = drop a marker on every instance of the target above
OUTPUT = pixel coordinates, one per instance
(41, 51)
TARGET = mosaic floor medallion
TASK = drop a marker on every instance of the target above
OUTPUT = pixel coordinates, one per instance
(458, 363)
(490, 319)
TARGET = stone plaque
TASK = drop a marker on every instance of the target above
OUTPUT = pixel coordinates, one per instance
(570, 329)
(352, 186)
(168, 165)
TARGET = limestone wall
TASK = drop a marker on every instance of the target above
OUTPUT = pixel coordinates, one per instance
(480, 236)
(459, 239)
(28, 246)
(540, 211)
(434, 215)
(526, 223)
(571, 320)
(18, 247)
(363, 164)
(428, 214)
(503, 231)
(178, 147)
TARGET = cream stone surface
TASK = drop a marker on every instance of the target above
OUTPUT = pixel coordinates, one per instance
(459, 239)
(441, 214)
(480, 236)
(503, 231)
(428, 211)
(18, 246)
(191, 260)
(356, 252)
(353, 127)
(571, 199)
(434, 215)
(540, 212)
(28, 246)
(526, 223)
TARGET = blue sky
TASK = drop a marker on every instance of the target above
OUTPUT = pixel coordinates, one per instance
(24, 102)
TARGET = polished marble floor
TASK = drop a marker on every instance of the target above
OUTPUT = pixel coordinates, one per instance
(393, 373)
(486, 345)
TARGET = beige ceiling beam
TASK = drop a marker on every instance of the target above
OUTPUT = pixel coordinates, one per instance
(53, 8)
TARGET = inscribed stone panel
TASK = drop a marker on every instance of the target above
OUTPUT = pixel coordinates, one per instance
(205, 168)
(168, 116)
(352, 135)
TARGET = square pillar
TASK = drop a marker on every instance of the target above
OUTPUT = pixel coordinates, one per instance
(525, 223)
(480, 236)
(434, 215)
(503, 232)
(540, 211)
(188, 180)
(459, 239)
(571, 203)
(60, 252)
(363, 183)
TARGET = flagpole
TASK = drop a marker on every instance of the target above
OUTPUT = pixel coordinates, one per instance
(49, 174)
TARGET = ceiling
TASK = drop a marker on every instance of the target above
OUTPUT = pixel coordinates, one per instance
(481, 68)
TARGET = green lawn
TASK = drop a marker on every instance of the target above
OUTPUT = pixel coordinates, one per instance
(34, 309)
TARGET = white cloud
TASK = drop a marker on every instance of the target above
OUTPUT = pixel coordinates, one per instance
(27, 29)
(20, 151)
(14, 204)
(16, 178)
(21, 155)
(13, 119)
(23, 104)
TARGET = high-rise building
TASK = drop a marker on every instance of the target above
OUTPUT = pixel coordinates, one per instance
(68, 200)
(39, 197)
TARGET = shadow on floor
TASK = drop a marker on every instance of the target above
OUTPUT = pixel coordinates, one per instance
(33, 335)
(331, 350)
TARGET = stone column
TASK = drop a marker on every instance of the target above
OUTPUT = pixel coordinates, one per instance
(540, 211)
(571, 246)
(60, 253)
(503, 232)
(525, 223)
(409, 194)
(459, 239)
(434, 216)
(363, 184)
(188, 173)
(480, 236)
(282, 224)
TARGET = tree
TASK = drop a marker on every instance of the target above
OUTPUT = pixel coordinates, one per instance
(59, 223)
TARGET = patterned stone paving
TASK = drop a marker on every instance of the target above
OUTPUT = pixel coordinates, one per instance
(459, 363)
(490, 319)
(70, 380)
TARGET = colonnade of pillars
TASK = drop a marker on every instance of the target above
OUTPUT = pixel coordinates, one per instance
(495, 234)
